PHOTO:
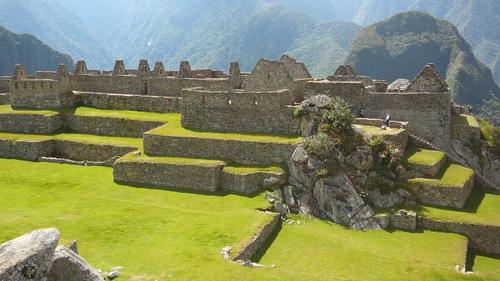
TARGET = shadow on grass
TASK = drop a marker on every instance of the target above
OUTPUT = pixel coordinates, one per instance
(471, 258)
(219, 193)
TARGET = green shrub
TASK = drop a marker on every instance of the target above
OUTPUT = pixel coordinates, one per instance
(299, 112)
(491, 134)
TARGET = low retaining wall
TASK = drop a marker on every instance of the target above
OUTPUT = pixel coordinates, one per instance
(442, 196)
(25, 149)
(428, 170)
(34, 150)
(483, 238)
(245, 152)
(259, 239)
(30, 123)
(108, 126)
(248, 183)
(130, 102)
(88, 152)
(170, 175)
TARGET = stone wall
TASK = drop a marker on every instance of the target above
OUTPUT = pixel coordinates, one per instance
(172, 87)
(25, 149)
(259, 239)
(30, 123)
(246, 183)
(5, 98)
(79, 151)
(483, 238)
(107, 126)
(41, 94)
(239, 111)
(120, 84)
(428, 114)
(4, 84)
(129, 102)
(245, 152)
(169, 175)
(441, 195)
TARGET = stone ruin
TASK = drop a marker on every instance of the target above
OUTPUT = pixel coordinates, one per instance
(261, 102)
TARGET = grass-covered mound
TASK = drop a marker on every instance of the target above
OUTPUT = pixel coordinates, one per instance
(7, 109)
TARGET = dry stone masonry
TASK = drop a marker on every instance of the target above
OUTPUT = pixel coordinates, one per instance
(251, 120)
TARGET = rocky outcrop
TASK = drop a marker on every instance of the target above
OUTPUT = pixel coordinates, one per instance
(481, 160)
(28, 257)
(34, 257)
(69, 266)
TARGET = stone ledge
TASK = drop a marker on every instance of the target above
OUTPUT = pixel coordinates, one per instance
(169, 174)
(441, 195)
(247, 183)
(428, 170)
(30, 123)
(239, 151)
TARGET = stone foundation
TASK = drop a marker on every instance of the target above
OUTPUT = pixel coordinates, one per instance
(25, 149)
(245, 152)
(88, 152)
(483, 238)
(169, 175)
(108, 126)
(442, 196)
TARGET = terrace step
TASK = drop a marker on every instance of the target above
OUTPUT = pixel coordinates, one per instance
(450, 187)
(74, 147)
(192, 174)
(427, 162)
(173, 140)
(397, 136)
(29, 121)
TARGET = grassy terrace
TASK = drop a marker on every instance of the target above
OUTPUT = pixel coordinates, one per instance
(481, 207)
(6, 109)
(377, 131)
(451, 175)
(174, 128)
(84, 138)
(168, 235)
(316, 250)
(131, 157)
(424, 157)
(464, 119)
(237, 169)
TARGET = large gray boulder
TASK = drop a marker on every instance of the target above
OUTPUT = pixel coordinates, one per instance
(68, 266)
(28, 257)
(339, 200)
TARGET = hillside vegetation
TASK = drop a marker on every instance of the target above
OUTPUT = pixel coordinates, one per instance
(28, 50)
(399, 47)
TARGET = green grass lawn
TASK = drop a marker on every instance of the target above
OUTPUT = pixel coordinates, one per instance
(487, 266)
(167, 235)
(451, 175)
(174, 128)
(481, 207)
(6, 109)
(425, 157)
(316, 250)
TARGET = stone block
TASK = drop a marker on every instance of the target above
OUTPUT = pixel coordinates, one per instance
(403, 219)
